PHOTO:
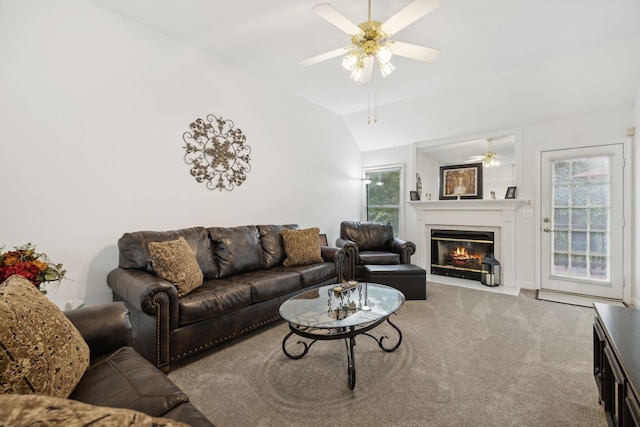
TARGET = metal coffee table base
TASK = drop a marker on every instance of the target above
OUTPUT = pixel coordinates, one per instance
(349, 335)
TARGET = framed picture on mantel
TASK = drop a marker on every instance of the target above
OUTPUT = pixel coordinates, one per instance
(461, 181)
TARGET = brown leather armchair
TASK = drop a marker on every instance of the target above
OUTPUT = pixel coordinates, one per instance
(367, 243)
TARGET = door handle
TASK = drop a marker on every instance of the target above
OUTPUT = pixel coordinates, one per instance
(548, 230)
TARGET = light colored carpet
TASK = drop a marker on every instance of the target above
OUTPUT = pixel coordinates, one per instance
(468, 358)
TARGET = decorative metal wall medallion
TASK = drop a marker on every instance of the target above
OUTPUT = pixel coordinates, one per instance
(217, 152)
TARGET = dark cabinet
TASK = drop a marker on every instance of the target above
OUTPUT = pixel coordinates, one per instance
(631, 414)
(616, 362)
(598, 357)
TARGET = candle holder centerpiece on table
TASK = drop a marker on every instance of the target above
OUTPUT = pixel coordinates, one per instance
(342, 299)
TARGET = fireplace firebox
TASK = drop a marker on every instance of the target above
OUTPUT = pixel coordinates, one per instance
(459, 253)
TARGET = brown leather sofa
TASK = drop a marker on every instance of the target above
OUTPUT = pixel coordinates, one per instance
(118, 376)
(245, 282)
(371, 243)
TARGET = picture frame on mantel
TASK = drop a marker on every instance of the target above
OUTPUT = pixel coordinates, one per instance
(461, 181)
(511, 193)
(414, 195)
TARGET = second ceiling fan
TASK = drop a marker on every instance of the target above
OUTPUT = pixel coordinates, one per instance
(371, 42)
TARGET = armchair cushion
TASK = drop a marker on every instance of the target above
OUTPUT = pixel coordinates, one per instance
(41, 352)
(379, 258)
(174, 261)
(302, 246)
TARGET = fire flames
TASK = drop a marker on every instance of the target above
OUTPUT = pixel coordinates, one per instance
(461, 258)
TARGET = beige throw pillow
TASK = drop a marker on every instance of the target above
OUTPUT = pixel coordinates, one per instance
(175, 261)
(33, 410)
(41, 352)
(301, 246)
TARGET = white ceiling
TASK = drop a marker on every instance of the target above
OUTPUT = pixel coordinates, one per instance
(524, 43)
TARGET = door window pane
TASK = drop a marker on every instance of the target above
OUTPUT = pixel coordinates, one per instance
(581, 195)
(561, 195)
(579, 219)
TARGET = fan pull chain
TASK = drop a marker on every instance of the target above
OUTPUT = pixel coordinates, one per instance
(375, 99)
(369, 104)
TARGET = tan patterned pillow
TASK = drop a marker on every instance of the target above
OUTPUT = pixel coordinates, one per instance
(175, 261)
(33, 410)
(41, 352)
(301, 246)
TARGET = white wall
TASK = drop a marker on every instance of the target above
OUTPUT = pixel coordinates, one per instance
(635, 286)
(573, 132)
(93, 111)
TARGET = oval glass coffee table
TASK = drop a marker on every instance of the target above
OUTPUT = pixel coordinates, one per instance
(336, 312)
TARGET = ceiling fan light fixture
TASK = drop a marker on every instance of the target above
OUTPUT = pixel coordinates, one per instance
(383, 55)
(357, 73)
(386, 68)
(351, 60)
(490, 162)
(490, 159)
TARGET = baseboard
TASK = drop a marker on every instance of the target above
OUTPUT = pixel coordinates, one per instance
(574, 299)
(472, 284)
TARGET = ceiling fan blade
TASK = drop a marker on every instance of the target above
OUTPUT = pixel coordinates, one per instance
(331, 14)
(414, 51)
(409, 15)
(324, 56)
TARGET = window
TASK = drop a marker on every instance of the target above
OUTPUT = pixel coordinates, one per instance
(383, 196)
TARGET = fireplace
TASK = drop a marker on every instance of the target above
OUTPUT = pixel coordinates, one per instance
(459, 253)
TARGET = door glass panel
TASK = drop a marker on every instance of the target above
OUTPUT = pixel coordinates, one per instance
(581, 218)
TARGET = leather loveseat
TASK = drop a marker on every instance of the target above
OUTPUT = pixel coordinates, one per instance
(245, 282)
(79, 369)
(118, 376)
(371, 243)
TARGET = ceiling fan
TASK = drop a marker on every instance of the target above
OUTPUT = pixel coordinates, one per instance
(488, 159)
(371, 42)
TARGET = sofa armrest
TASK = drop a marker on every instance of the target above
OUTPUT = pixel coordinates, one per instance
(335, 255)
(351, 254)
(141, 289)
(105, 327)
(404, 248)
(329, 254)
(154, 306)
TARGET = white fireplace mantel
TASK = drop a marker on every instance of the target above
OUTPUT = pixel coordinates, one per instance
(468, 204)
(498, 215)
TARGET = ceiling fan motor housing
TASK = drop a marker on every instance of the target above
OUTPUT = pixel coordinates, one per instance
(371, 37)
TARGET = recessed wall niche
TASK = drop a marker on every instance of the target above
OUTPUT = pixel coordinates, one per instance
(431, 155)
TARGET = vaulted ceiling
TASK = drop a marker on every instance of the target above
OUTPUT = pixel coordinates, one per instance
(503, 63)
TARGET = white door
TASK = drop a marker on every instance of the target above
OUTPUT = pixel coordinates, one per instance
(582, 221)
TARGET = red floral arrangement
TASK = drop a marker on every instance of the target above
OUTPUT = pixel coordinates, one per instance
(33, 266)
